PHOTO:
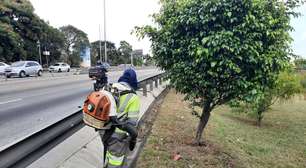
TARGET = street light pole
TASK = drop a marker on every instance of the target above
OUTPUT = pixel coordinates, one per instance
(39, 52)
(132, 58)
(105, 48)
(47, 54)
(100, 45)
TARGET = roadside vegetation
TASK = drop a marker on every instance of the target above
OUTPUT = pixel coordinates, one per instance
(22, 33)
(232, 140)
(287, 85)
(218, 51)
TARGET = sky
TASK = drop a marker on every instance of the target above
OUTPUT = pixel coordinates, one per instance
(121, 18)
(299, 35)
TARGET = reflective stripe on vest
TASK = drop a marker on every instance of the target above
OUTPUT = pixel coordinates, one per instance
(114, 160)
(129, 109)
(125, 103)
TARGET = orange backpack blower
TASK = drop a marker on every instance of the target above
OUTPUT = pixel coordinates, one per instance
(97, 109)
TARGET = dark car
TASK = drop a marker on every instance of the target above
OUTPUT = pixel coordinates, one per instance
(98, 73)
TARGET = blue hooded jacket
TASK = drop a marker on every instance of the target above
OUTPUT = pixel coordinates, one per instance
(129, 76)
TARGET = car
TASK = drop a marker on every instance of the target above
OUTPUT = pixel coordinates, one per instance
(125, 66)
(59, 67)
(23, 69)
(98, 71)
(3, 66)
(105, 65)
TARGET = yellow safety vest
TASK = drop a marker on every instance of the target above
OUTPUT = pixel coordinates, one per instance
(129, 106)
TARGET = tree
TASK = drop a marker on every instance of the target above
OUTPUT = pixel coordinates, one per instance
(300, 63)
(216, 51)
(125, 50)
(20, 29)
(285, 88)
(148, 60)
(137, 61)
(112, 52)
(75, 41)
(52, 40)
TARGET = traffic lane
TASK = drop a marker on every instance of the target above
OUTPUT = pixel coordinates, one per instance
(18, 128)
(8, 87)
(26, 105)
(44, 78)
(17, 102)
(23, 117)
(37, 87)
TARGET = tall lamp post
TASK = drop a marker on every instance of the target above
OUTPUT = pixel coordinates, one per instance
(105, 48)
(47, 54)
(39, 52)
(132, 58)
(100, 46)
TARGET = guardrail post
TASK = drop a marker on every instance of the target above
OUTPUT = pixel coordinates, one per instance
(151, 85)
(144, 89)
(156, 82)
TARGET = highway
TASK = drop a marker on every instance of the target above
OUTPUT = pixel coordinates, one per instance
(31, 104)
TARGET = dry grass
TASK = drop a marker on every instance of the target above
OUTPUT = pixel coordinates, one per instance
(280, 142)
(232, 140)
(173, 133)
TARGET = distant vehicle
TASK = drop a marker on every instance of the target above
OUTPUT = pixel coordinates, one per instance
(3, 66)
(24, 68)
(125, 66)
(59, 67)
(105, 65)
(98, 73)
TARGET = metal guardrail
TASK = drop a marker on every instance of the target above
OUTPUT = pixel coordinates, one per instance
(38, 143)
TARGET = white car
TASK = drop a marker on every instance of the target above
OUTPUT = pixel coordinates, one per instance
(59, 67)
(3, 66)
(23, 69)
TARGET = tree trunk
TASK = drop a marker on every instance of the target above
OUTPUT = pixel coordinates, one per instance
(259, 118)
(203, 122)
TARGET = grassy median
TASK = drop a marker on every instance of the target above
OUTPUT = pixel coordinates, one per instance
(231, 140)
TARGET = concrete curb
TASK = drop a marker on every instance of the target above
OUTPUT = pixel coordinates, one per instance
(134, 155)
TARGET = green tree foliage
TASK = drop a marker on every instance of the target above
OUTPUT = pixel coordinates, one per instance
(148, 60)
(216, 51)
(285, 88)
(75, 41)
(51, 40)
(125, 50)
(113, 54)
(20, 29)
(137, 61)
(300, 63)
(303, 82)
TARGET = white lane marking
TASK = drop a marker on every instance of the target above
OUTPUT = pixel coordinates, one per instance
(10, 101)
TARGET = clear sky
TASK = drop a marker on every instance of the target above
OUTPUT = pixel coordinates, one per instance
(122, 16)
(87, 15)
(299, 35)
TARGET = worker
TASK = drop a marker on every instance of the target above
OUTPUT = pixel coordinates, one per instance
(121, 142)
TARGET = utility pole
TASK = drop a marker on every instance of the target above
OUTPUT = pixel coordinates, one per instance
(39, 52)
(47, 53)
(132, 58)
(105, 48)
(100, 45)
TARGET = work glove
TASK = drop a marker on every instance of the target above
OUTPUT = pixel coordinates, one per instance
(132, 144)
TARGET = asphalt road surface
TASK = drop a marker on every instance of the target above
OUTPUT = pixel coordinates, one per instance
(31, 104)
